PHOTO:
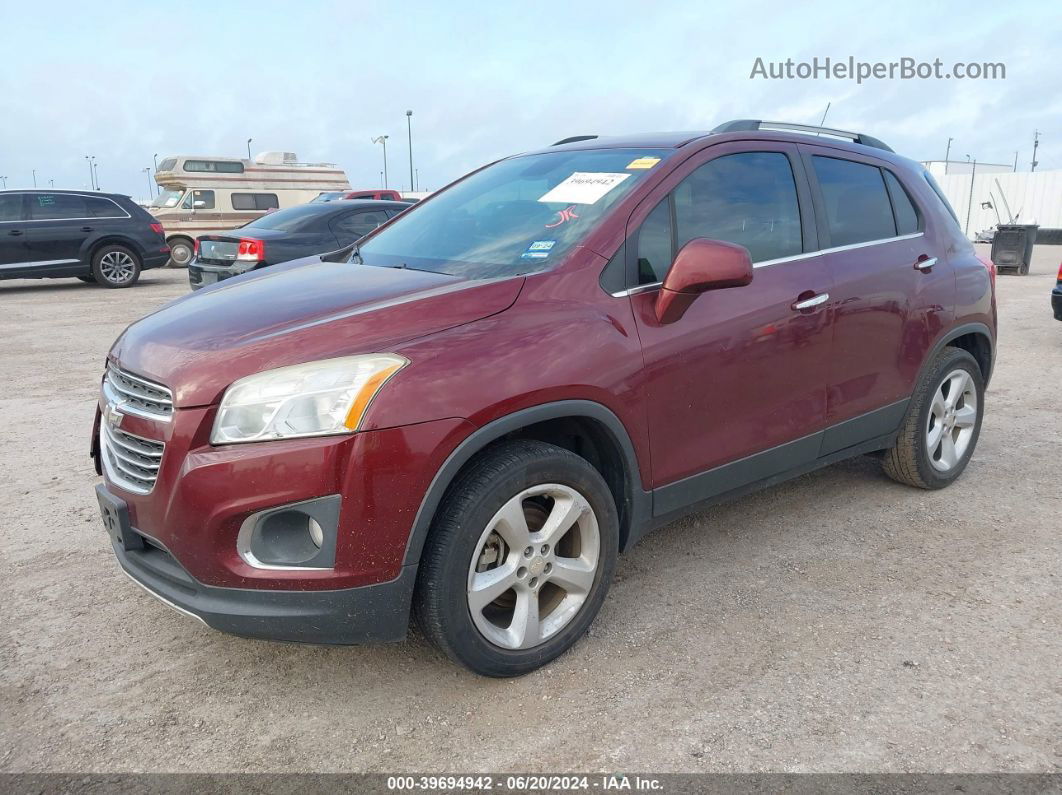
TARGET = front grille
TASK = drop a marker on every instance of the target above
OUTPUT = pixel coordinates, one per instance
(132, 462)
(132, 394)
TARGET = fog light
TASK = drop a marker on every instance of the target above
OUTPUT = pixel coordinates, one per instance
(316, 533)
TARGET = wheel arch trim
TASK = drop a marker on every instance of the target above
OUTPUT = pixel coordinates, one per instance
(954, 333)
(475, 442)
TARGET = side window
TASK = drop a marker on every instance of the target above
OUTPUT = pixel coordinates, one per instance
(104, 208)
(748, 198)
(56, 206)
(255, 201)
(10, 207)
(902, 206)
(940, 195)
(857, 204)
(654, 244)
(355, 225)
(204, 196)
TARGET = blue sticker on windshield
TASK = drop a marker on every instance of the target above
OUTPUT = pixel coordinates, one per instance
(539, 249)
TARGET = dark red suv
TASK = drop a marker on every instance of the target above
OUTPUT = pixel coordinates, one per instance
(471, 415)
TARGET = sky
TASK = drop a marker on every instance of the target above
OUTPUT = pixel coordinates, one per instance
(123, 81)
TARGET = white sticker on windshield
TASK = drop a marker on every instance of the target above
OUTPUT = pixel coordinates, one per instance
(584, 187)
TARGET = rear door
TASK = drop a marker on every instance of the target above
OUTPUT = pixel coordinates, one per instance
(57, 227)
(13, 249)
(892, 291)
(744, 371)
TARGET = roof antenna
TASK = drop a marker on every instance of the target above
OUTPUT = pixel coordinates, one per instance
(823, 120)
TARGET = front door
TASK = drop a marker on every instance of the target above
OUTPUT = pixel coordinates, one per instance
(59, 223)
(744, 371)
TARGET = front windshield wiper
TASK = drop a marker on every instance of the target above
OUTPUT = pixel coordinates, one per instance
(404, 267)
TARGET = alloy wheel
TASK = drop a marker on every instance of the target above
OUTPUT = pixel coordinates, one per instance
(952, 420)
(534, 566)
(117, 267)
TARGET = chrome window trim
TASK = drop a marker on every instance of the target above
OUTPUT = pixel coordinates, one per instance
(644, 288)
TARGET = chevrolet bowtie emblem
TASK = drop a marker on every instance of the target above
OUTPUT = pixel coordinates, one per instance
(112, 416)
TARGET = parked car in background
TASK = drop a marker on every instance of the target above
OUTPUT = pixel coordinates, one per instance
(201, 195)
(338, 195)
(1056, 295)
(289, 234)
(103, 238)
(510, 384)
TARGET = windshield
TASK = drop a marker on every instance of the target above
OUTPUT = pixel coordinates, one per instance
(168, 198)
(517, 216)
(288, 220)
(327, 197)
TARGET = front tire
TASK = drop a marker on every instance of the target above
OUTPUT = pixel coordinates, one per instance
(518, 560)
(115, 267)
(942, 425)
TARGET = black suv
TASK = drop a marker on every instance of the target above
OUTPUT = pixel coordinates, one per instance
(97, 237)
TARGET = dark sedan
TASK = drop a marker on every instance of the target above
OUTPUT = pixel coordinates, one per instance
(301, 231)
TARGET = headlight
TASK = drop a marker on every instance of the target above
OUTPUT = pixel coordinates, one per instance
(315, 399)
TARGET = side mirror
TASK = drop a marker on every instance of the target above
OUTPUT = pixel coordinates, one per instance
(198, 205)
(701, 265)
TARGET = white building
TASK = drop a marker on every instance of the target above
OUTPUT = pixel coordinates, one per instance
(943, 168)
(986, 198)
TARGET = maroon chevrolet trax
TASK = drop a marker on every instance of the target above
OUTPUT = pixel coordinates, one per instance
(468, 416)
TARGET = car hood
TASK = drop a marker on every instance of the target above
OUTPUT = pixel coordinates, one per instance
(293, 313)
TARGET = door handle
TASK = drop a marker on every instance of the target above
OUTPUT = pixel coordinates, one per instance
(15, 232)
(924, 263)
(814, 301)
(86, 229)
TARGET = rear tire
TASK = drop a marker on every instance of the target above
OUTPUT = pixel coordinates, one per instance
(943, 422)
(181, 251)
(518, 560)
(115, 267)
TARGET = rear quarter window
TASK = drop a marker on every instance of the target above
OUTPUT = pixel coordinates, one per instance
(858, 209)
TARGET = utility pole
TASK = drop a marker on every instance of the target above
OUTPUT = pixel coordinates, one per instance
(382, 139)
(155, 158)
(92, 179)
(1036, 145)
(35, 178)
(947, 152)
(417, 171)
(409, 129)
(4, 180)
(96, 173)
(969, 204)
(1015, 161)
(147, 176)
(51, 182)
(249, 148)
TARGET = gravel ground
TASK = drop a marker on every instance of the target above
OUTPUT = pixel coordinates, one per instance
(840, 622)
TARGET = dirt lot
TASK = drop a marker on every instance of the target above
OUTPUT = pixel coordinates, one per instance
(840, 622)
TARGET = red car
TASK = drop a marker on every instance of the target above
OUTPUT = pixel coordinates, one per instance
(472, 414)
(337, 195)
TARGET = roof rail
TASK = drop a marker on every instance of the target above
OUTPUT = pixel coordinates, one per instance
(573, 139)
(745, 125)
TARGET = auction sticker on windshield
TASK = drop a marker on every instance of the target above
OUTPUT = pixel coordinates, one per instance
(584, 187)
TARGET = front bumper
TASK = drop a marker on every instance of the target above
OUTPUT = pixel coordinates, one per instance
(367, 614)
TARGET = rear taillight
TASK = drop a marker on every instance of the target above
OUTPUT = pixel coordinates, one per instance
(156, 228)
(1060, 272)
(251, 250)
(195, 246)
(991, 268)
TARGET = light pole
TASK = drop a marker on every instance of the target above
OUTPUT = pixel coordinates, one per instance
(96, 173)
(418, 179)
(4, 181)
(382, 139)
(155, 158)
(1036, 145)
(147, 175)
(249, 148)
(946, 153)
(92, 179)
(51, 184)
(409, 131)
(35, 178)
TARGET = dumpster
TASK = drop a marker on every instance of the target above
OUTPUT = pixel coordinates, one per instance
(1012, 247)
